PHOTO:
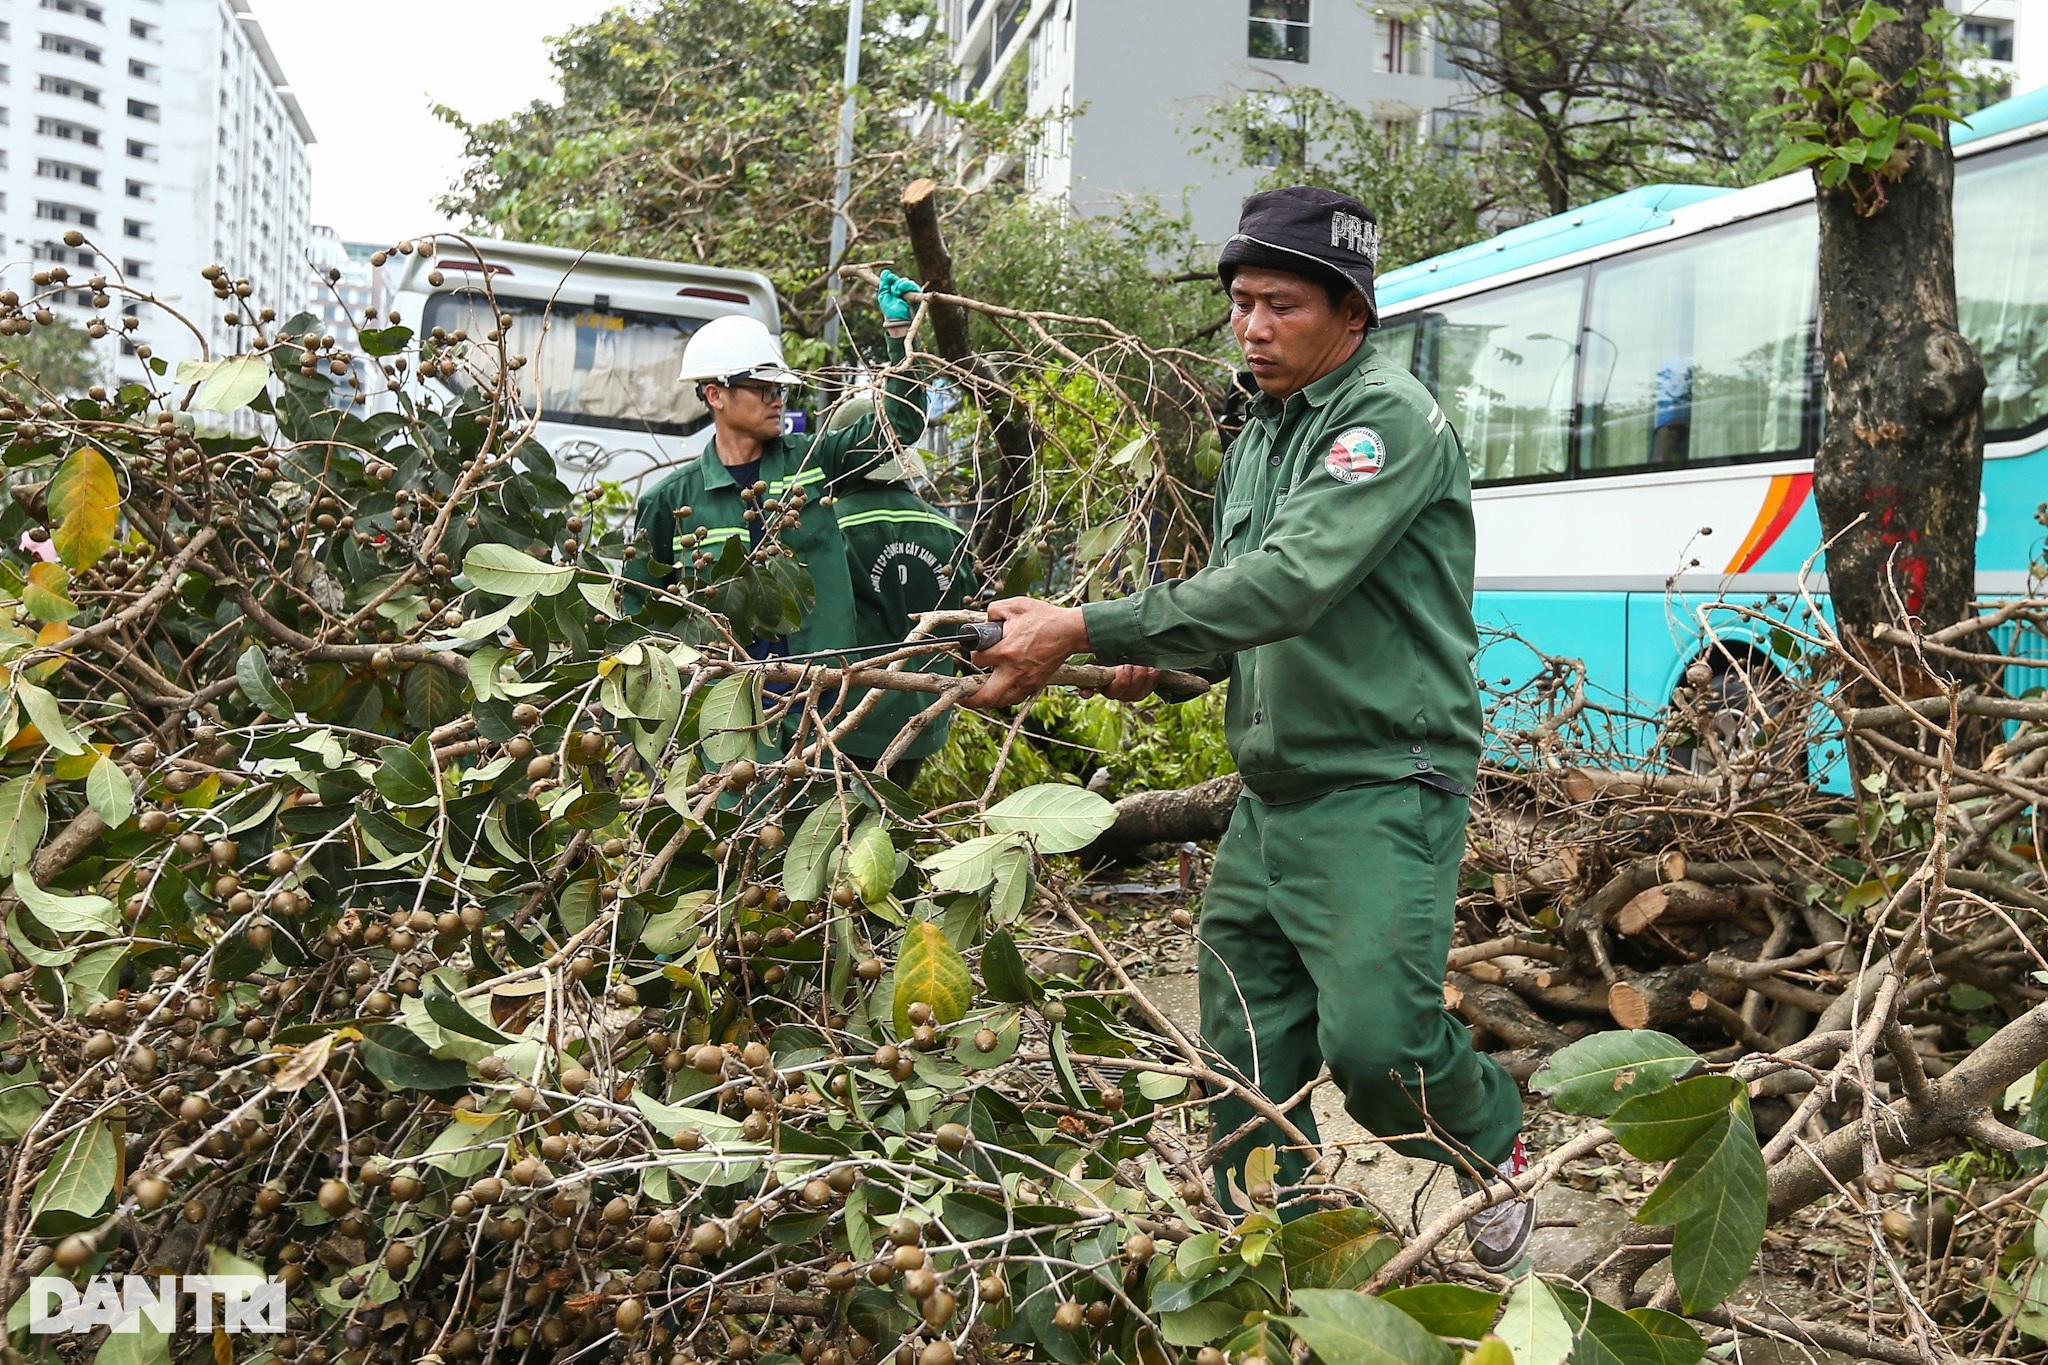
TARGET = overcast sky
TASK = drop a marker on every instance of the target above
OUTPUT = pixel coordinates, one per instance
(368, 75)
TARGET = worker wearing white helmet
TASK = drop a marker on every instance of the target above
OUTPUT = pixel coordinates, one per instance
(755, 490)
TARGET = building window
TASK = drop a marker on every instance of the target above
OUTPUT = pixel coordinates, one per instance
(141, 151)
(71, 47)
(1279, 30)
(138, 29)
(138, 231)
(64, 170)
(81, 8)
(141, 71)
(1394, 48)
(134, 269)
(137, 109)
(1993, 35)
(70, 132)
(57, 85)
(138, 190)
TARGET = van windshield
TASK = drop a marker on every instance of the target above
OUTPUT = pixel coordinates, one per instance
(585, 366)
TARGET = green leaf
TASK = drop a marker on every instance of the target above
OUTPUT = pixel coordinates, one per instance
(1677, 1342)
(1535, 1326)
(931, 969)
(401, 1061)
(727, 722)
(1201, 1323)
(1661, 1125)
(1334, 1248)
(970, 864)
(506, 572)
(1003, 971)
(252, 672)
(1013, 882)
(230, 384)
(807, 868)
(1792, 156)
(65, 914)
(110, 792)
(94, 977)
(23, 819)
(77, 1188)
(1597, 1074)
(1449, 1310)
(403, 777)
(464, 1150)
(1059, 818)
(1606, 1335)
(452, 1015)
(49, 720)
(383, 341)
(1716, 1195)
(1344, 1328)
(433, 696)
(592, 810)
(871, 863)
(85, 501)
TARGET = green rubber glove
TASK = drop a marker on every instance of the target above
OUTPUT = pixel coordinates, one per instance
(893, 298)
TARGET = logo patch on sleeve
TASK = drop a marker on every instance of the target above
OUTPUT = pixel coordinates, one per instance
(1356, 456)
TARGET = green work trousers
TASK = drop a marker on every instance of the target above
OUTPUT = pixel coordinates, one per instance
(1325, 930)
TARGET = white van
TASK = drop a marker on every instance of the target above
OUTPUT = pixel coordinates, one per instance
(603, 339)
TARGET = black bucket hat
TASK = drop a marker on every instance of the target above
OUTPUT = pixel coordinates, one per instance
(1327, 236)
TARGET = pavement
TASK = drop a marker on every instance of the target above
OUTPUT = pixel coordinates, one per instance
(1581, 1213)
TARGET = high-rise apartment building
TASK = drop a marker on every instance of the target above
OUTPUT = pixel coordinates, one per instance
(164, 131)
(1140, 75)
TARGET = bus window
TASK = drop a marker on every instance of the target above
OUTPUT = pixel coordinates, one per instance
(2002, 283)
(601, 368)
(1699, 352)
(1396, 343)
(1501, 364)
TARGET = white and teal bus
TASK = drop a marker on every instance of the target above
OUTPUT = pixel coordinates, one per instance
(1636, 385)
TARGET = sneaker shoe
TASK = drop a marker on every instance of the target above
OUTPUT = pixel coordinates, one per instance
(1500, 1234)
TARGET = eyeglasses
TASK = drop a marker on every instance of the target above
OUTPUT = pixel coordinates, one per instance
(767, 393)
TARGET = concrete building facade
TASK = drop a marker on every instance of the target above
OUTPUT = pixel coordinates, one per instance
(164, 131)
(1124, 84)
(1139, 76)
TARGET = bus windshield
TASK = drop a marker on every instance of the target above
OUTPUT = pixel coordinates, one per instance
(585, 366)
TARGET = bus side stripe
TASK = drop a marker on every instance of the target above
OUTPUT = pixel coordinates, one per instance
(1787, 494)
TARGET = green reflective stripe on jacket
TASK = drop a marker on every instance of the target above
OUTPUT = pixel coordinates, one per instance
(1339, 591)
(896, 516)
(815, 462)
(904, 559)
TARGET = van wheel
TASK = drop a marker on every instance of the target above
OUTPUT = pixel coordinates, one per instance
(1744, 716)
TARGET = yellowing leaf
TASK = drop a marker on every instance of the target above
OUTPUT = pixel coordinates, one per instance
(45, 593)
(85, 504)
(931, 970)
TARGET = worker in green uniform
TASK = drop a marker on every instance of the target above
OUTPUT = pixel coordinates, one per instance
(1338, 600)
(904, 558)
(751, 473)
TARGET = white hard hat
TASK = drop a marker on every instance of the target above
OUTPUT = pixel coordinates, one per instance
(734, 347)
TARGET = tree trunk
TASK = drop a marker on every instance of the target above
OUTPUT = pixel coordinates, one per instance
(1003, 488)
(1896, 480)
(1168, 817)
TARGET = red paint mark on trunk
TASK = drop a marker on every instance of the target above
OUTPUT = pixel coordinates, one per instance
(1893, 532)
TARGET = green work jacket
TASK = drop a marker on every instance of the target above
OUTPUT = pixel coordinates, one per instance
(816, 463)
(904, 558)
(1339, 591)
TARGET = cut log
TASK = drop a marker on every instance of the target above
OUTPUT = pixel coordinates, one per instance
(1501, 1013)
(1168, 817)
(1548, 877)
